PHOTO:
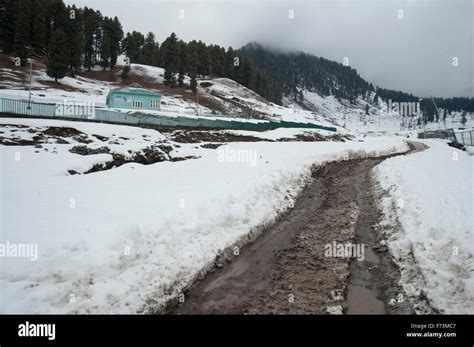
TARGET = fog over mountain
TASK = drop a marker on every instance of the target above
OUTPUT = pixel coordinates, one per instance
(401, 45)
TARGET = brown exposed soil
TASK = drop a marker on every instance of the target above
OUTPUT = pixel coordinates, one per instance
(196, 136)
(150, 155)
(287, 270)
(58, 134)
(309, 136)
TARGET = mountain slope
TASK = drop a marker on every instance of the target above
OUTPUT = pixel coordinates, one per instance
(308, 80)
(295, 71)
(217, 96)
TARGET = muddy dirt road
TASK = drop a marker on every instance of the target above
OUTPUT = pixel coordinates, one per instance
(295, 267)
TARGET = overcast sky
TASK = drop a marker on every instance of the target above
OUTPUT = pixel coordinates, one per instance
(415, 53)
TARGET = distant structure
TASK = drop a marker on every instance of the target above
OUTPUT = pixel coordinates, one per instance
(134, 97)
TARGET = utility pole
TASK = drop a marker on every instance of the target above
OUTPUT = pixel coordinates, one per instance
(29, 93)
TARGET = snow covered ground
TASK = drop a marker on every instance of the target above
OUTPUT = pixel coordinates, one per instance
(380, 120)
(429, 207)
(127, 239)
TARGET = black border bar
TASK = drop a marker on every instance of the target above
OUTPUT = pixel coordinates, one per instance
(224, 329)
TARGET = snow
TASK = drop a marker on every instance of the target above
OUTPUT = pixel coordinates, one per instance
(128, 239)
(430, 195)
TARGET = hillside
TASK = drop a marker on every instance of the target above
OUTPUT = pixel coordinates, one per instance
(217, 96)
(297, 70)
(337, 91)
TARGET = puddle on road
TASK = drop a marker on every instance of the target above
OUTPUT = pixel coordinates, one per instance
(363, 301)
(363, 296)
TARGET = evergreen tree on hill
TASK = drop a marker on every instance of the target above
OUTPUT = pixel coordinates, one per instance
(8, 20)
(57, 66)
(39, 43)
(116, 36)
(169, 56)
(132, 46)
(192, 64)
(92, 20)
(75, 38)
(150, 50)
(182, 62)
(23, 30)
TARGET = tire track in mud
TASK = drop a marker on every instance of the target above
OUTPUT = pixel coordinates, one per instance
(287, 270)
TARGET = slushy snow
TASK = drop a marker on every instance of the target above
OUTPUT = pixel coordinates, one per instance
(428, 208)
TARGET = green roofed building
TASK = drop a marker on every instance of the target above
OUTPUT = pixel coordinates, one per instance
(134, 97)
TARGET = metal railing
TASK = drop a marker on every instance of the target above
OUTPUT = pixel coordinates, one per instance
(464, 137)
(446, 134)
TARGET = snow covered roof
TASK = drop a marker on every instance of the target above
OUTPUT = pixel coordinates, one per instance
(136, 88)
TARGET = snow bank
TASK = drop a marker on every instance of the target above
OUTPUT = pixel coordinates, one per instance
(125, 240)
(430, 194)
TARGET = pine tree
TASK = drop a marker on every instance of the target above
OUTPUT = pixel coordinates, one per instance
(57, 66)
(230, 62)
(8, 19)
(116, 38)
(23, 30)
(39, 28)
(132, 46)
(107, 41)
(92, 21)
(192, 64)
(125, 71)
(204, 59)
(150, 50)
(169, 58)
(182, 62)
(75, 38)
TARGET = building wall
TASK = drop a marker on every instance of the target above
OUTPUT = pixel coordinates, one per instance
(131, 101)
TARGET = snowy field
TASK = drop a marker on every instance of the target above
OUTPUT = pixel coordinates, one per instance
(127, 239)
(428, 210)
